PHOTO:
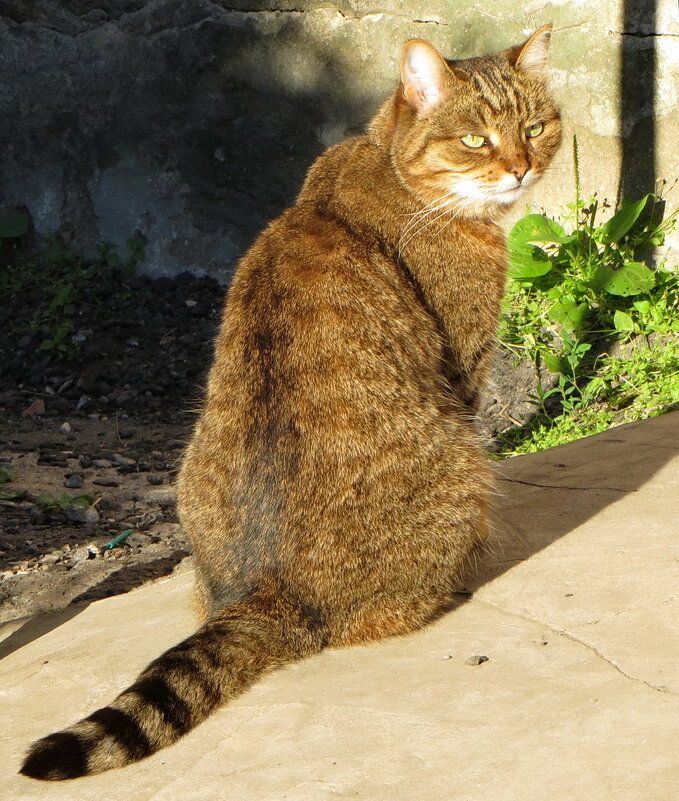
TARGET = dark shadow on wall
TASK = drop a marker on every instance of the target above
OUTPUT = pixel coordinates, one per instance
(637, 98)
(191, 124)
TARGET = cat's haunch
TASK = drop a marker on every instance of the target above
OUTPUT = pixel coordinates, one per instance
(334, 489)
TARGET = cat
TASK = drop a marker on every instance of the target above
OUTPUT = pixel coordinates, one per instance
(335, 489)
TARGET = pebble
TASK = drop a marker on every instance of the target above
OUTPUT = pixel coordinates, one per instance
(161, 497)
(65, 428)
(122, 460)
(106, 482)
(476, 660)
(125, 433)
(49, 559)
(74, 481)
(83, 554)
(154, 479)
(174, 443)
(81, 514)
(102, 463)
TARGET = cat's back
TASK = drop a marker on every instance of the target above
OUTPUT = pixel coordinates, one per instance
(316, 294)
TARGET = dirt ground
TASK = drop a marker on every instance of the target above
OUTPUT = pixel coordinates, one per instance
(90, 440)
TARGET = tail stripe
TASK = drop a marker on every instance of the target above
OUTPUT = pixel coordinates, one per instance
(124, 730)
(156, 692)
(178, 665)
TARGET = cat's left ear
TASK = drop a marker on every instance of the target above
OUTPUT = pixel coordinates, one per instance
(531, 56)
(423, 75)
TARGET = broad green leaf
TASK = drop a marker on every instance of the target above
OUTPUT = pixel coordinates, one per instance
(623, 321)
(13, 225)
(621, 222)
(536, 228)
(527, 261)
(633, 278)
(5, 475)
(554, 364)
(642, 306)
(568, 313)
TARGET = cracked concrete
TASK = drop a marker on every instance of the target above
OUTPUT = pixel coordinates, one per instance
(574, 603)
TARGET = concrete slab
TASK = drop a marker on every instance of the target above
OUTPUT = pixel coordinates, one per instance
(574, 607)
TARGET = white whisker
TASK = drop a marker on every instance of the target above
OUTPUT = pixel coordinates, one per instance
(457, 203)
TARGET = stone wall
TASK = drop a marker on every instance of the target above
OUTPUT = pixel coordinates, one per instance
(191, 124)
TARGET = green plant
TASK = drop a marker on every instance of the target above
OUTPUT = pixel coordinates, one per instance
(624, 388)
(573, 293)
(61, 276)
(60, 502)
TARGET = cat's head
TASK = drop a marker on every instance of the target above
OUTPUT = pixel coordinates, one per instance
(481, 130)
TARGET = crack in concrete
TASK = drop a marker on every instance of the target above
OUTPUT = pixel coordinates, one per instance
(611, 615)
(563, 486)
(659, 688)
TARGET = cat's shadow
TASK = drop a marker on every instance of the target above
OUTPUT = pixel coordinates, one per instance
(544, 496)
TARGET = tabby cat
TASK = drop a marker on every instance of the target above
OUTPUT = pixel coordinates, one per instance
(334, 488)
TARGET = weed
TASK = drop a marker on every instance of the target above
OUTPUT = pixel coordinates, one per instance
(572, 295)
(60, 502)
(60, 277)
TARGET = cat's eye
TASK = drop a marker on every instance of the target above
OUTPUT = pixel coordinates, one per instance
(473, 140)
(534, 130)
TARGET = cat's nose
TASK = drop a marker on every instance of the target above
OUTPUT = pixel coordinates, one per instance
(519, 168)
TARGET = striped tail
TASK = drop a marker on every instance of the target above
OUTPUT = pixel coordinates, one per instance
(178, 691)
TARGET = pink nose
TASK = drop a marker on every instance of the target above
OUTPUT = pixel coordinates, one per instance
(519, 169)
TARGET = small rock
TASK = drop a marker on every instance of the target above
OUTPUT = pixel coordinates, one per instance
(125, 433)
(81, 514)
(106, 482)
(65, 428)
(122, 460)
(476, 660)
(36, 408)
(83, 554)
(49, 559)
(191, 303)
(147, 519)
(161, 497)
(174, 443)
(74, 481)
(85, 461)
(108, 505)
(102, 463)
(154, 479)
(138, 539)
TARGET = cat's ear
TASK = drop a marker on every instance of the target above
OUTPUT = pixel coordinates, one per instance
(423, 75)
(531, 56)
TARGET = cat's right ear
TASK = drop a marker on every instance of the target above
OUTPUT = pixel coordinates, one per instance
(423, 75)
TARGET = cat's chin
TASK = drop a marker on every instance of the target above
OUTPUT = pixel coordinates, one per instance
(508, 197)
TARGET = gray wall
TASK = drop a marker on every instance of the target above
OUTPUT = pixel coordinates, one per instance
(192, 123)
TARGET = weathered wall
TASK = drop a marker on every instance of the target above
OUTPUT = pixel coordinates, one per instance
(192, 124)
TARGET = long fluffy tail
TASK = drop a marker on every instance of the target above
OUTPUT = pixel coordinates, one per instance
(178, 691)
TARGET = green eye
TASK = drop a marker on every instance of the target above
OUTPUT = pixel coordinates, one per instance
(534, 130)
(472, 140)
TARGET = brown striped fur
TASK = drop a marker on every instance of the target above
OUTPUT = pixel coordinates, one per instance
(334, 487)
